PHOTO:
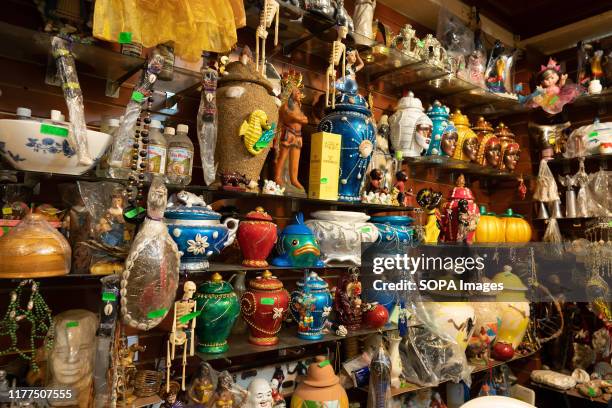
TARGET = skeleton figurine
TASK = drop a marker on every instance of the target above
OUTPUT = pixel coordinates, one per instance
(183, 325)
(338, 56)
(406, 41)
(268, 13)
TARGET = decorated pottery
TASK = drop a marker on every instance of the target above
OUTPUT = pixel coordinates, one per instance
(467, 141)
(430, 200)
(257, 235)
(297, 246)
(490, 228)
(310, 306)
(396, 229)
(351, 119)
(510, 149)
(34, 249)
(219, 308)
(438, 114)
(321, 388)
(489, 149)
(348, 304)
(451, 320)
(448, 144)
(514, 227)
(514, 311)
(341, 233)
(263, 308)
(460, 214)
(375, 316)
(410, 127)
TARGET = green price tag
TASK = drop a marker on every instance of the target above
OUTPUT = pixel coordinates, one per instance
(7, 211)
(47, 129)
(72, 324)
(420, 43)
(134, 212)
(267, 301)
(366, 229)
(154, 314)
(324, 180)
(593, 134)
(109, 297)
(125, 37)
(324, 363)
(185, 319)
(137, 96)
(398, 155)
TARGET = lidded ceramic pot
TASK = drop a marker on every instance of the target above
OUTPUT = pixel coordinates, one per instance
(198, 232)
(395, 229)
(310, 306)
(321, 388)
(410, 127)
(257, 235)
(341, 233)
(482, 127)
(263, 308)
(218, 307)
(34, 249)
(438, 114)
(510, 149)
(467, 141)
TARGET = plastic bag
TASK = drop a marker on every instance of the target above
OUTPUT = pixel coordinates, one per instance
(456, 37)
(379, 389)
(500, 68)
(546, 186)
(600, 200)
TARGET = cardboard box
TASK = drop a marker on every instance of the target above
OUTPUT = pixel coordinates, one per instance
(324, 166)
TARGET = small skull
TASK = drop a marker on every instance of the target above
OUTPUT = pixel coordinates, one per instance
(189, 289)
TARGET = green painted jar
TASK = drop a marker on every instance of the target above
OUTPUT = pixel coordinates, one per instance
(218, 307)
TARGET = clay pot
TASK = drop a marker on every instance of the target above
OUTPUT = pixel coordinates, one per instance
(320, 388)
(257, 235)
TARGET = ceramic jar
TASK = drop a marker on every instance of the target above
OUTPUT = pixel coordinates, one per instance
(454, 230)
(257, 235)
(310, 306)
(396, 229)
(351, 119)
(375, 316)
(198, 233)
(467, 141)
(263, 308)
(219, 308)
(448, 144)
(451, 320)
(341, 233)
(510, 150)
(438, 114)
(489, 149)
(514, 310)
(297, 246)
(410, 127)
(321, 388)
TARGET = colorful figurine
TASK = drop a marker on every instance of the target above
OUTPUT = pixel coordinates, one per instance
(429, 200)
(448, 145)
(112, 229)
(259, 394)
(201, 388)
(297, 246)
(348, 304)
(489, 149)
(382, 159)
(170, 396)
(224, 396)
(510, 150)
(337, 57)
(404, 194)
(438, 114)
(458, 215)
(183, 330)
(256, 132)
(467, 142)
(310, 306)
(289, 144)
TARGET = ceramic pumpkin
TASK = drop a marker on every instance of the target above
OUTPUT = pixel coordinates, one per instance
(490, 228)
(515, 227)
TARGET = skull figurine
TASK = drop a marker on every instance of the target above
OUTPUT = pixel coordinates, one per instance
(189, 289)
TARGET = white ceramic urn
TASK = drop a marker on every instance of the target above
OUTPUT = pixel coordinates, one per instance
(340, 234)
(410, 127)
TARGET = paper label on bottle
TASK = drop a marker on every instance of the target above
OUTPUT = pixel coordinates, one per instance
(157, 159)
(109, 296)
(267, 301)
(179, 161)
(46, 129)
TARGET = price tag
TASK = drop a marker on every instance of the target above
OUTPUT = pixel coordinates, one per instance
(46, 129)
(134, 212)
(398, 155)
(72, 324)
(366, 229)
(324, 363)
(594, 134)
(185, 319)
(323, 180)
(137, 96)
(267, 301)
(154, 314)
(7, 210)
(125, 37)
(109, 296)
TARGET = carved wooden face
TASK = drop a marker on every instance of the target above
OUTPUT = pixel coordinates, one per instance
(492, 154)
(470, 148)
(449, 143)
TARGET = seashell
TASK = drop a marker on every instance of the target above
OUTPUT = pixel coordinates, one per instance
(580, 376)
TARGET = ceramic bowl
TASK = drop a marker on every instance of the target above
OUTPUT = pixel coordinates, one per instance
(34, 146)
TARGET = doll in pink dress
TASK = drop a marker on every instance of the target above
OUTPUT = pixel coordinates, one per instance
(552, 93)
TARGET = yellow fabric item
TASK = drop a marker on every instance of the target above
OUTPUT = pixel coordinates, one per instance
(192, 25)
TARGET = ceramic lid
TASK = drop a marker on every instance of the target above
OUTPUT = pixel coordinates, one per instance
(510, 213)
(258, 214)
(313, 281)
(393, 219)
(350, 102)
(195, 212)
(483, 211)
(459, 119)
(409, 102)
(510, 280)
(437, 110)
(216, 285)
(266, 281)
(297, 228)
(502, 131)
(482, 125)
(342, 216)
(321, 374)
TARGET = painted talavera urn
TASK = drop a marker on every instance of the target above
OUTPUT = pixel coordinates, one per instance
(257, 235)
(218, 309)
(438, 114)
(410, 127)
(467, 141)
(341, 233)
(321, 388)
(310, 306)
(263, 308)
(197, 230)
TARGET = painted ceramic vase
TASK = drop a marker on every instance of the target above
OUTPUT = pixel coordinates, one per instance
(348, 303)
(321, 388)
(257, 235)
(451, 320)
(297, 246)
(467, 142)
(451, 213)
(198, 233)
(513, 308)
(510, 149)
(263, 308)
(351, 119)
(438, 114)
(448, 143)
(310, 306)
(219, 308)
(410, 127)
(376, 316)
(341, 233)
(395, 229)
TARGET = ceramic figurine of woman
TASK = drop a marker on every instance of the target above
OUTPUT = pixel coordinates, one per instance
(457, 215)
(448, 144)
(510, 156)
(552, 93)
(362, 19)
(201, 388)
(354, 64)
(112, 228)
(291, 119)
(467, 141)
(381, 158)
(581, 179)
(429, 200)
(404, 194)
(224, 396)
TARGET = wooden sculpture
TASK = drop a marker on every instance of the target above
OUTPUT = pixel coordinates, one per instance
(183, 326)
(268, 13)
(338, 55)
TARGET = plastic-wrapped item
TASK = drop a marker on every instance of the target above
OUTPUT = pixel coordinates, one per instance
(151, 275)
(66, 70)
(600, 185)
(455, 37)
(379, 389)
(499, 69)
(121, 151)
(546, 186)
(207, 121)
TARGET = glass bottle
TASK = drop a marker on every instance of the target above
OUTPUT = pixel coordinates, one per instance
(180, 157)
(111, 128)
(24, 113)
(157, 151)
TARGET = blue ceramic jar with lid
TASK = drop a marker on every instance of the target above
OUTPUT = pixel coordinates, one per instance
(394, 228)
(310, 306)
(438, 114)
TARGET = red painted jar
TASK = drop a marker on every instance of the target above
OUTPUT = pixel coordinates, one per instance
(257, 235)
(376, 316)
(263, 308)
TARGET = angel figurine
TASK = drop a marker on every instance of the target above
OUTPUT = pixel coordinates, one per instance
(553, 93)
(581, 180)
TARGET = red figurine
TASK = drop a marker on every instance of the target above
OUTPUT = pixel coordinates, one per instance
(522, 188)
(460, 214)
(257, 235)
(405, 197)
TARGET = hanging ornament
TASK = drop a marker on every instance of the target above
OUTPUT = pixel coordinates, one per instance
(522, 188)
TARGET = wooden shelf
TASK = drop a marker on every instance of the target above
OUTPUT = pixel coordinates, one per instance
(460, 166)
(572, 392)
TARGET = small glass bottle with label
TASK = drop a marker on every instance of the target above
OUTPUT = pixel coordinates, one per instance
(157, 150)
(180, 157)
